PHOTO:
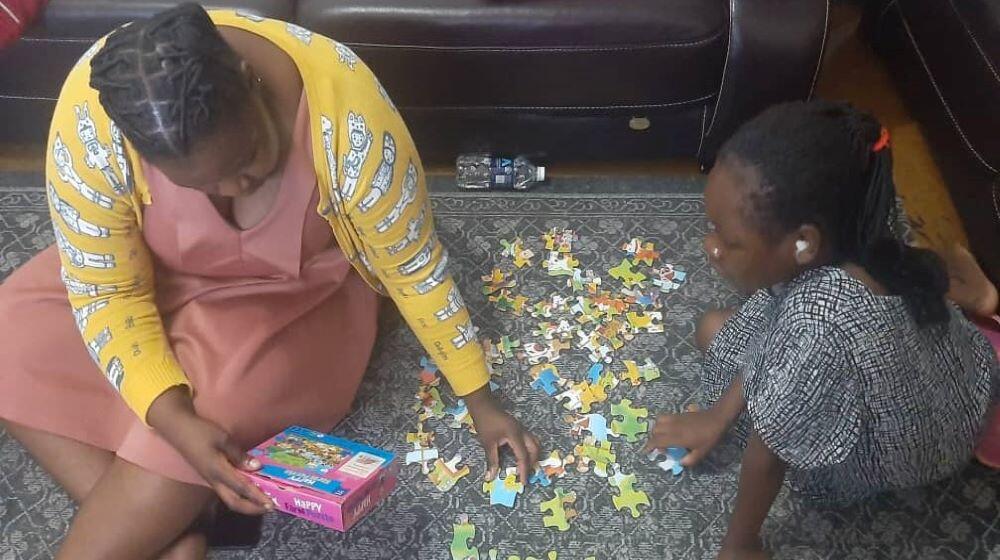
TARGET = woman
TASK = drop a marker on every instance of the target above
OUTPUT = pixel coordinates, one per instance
(258, 177)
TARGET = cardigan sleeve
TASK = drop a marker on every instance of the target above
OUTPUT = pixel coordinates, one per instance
(106, 265)
(403, 250)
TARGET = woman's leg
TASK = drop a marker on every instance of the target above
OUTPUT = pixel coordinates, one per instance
(133, 513)
(74, 465)
(709, 326)
(77, 467)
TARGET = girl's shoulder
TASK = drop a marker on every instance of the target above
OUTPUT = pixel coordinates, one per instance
(830, 297)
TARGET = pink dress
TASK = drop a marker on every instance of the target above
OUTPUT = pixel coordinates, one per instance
(271, 324)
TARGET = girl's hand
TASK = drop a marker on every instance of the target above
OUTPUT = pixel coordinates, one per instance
(210, 451)
(496, 427)
(699, 432)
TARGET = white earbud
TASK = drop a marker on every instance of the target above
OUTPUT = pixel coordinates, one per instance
(800, 246)
(715, 252)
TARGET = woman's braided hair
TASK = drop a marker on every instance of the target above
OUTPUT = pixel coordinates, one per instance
(829, 164)
(168, 81)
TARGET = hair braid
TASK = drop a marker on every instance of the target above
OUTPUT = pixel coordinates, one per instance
(818, 165)
(167, 81)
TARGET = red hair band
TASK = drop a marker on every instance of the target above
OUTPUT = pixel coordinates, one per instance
(882, 142)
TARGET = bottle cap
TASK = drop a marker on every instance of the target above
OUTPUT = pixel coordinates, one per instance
(540, 174)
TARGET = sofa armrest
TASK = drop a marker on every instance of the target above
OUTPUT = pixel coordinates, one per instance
(774, 54)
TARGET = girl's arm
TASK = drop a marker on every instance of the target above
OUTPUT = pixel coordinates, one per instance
(699, 432)
(761, 475)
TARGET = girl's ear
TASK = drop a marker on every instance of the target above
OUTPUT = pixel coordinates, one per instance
(808, 243)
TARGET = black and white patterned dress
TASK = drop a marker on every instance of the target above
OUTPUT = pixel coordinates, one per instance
(843, 386)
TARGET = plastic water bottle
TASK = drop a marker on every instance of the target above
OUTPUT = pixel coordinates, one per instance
(488, 171)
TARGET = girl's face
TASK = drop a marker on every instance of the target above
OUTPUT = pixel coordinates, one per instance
(743, 255)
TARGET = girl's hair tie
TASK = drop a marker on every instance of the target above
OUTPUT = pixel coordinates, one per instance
(882, 142)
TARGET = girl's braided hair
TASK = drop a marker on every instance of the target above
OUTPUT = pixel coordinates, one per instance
(829, 164)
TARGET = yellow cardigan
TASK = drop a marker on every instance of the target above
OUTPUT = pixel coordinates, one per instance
(372, 192)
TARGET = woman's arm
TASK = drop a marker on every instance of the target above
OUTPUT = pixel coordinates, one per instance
(107, 269)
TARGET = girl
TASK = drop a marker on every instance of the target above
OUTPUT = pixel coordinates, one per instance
(846, 370)
(229, 194)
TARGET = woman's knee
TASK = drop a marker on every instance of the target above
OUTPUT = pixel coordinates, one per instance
(709, 326)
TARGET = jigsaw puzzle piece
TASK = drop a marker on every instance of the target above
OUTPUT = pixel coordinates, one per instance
(447, 474)
(649, 322)
(548, 380)
(625, 273)
(630, 426)
(462, 537)
(503, 491)
(421, 455)
(559, 509)
(628, 497)
(672, 460)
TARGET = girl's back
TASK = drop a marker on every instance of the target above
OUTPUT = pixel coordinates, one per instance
(853, 394)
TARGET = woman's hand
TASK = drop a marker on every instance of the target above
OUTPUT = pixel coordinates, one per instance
(209, 450)
(699, 432)
(497, 427)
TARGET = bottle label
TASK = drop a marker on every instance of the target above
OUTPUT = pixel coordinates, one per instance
(501, 172)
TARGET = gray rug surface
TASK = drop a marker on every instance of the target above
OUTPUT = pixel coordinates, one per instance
(954, 519)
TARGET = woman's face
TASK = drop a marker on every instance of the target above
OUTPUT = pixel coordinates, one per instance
(739, 251)
(236, 158)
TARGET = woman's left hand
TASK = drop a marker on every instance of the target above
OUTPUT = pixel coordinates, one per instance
(496, 427)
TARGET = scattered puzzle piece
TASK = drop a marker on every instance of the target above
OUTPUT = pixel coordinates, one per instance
(672, 460)
(628, 497)
(497, 281)
(421, 455)
(462, 539)
(669, 277)
(646, 255)
(420, 437)
(446, 475)
(503, 491)
(584, 281)
(636, 374)
(597, 453)
(649, 322)
(536, 353)
(554, 466)
(596, 424)
(506, 346)
(559, 510)
(630, 425)
(547, 379)
(515, 249)
(559, 264)
(559, 240)
(626, 274)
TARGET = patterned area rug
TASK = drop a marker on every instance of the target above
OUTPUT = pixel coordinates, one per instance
(956, 518)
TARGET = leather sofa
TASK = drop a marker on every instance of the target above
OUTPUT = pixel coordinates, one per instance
(944, 57)
(558, 79)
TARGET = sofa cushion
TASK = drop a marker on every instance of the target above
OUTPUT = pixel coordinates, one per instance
(91, 19)
(547, 55)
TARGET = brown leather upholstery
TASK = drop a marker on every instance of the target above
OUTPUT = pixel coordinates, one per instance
(945, 57)
(555, 78)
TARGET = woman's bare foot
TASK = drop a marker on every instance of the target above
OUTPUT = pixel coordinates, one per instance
(969, 287)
